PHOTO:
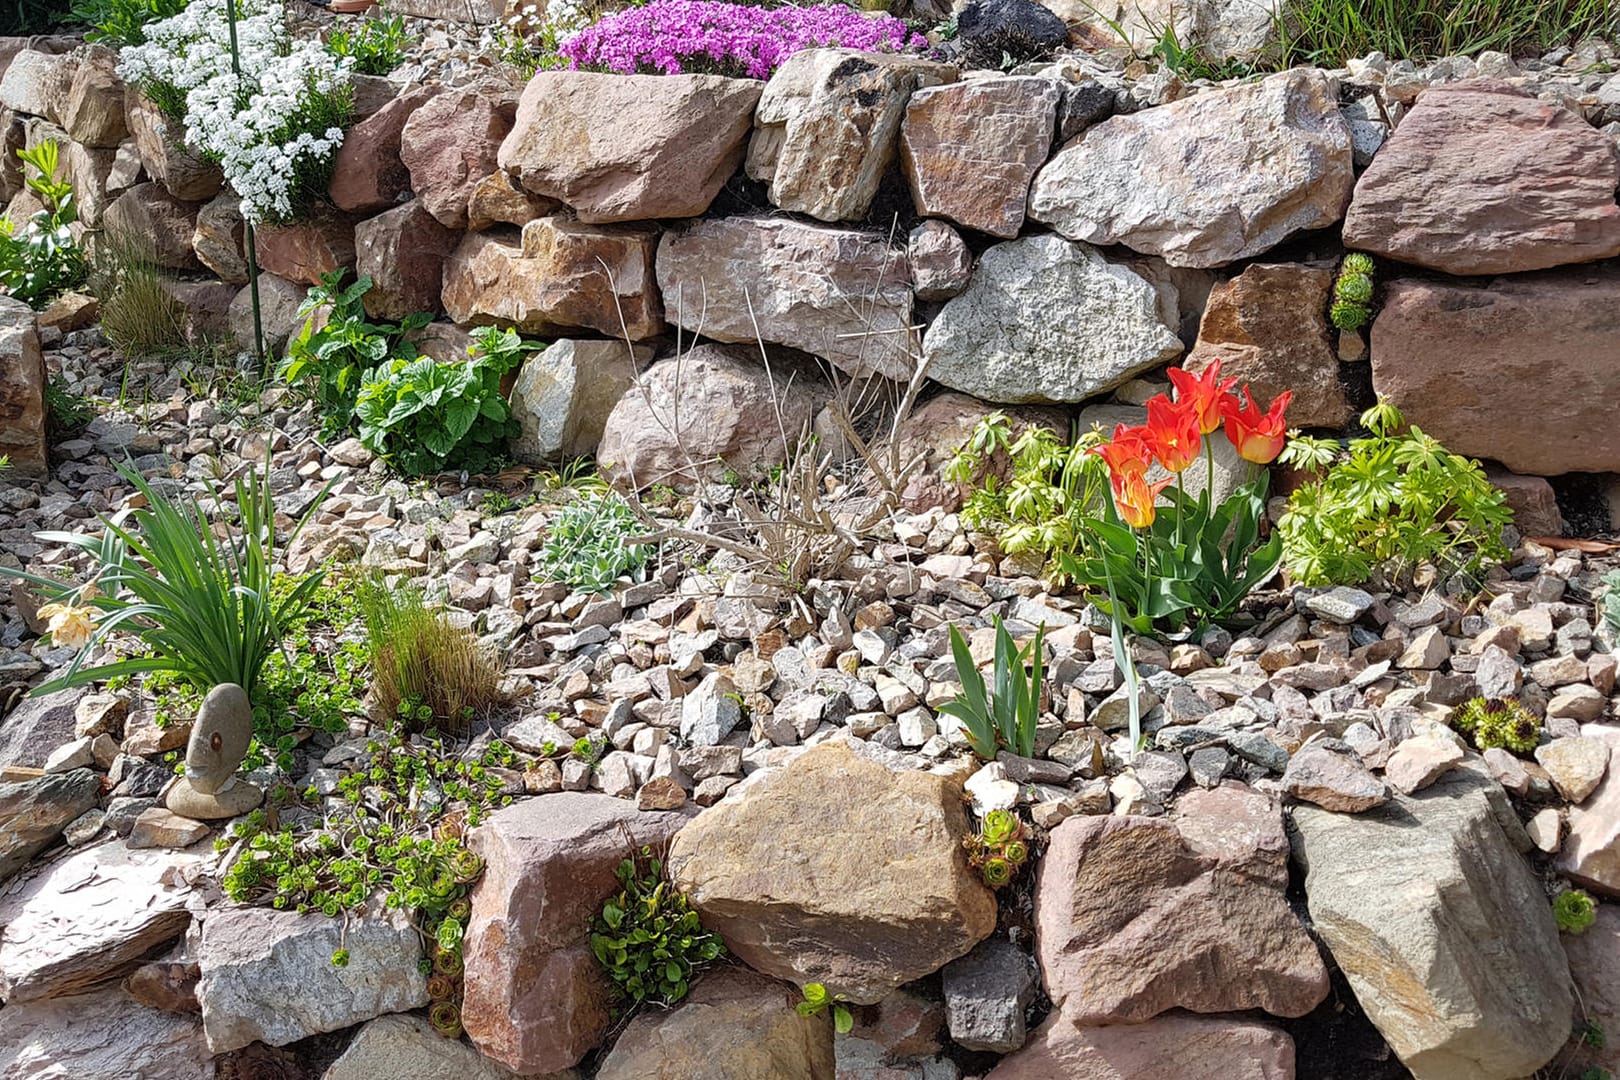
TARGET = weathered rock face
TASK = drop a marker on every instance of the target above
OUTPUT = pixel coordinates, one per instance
(1268, 328)
(561, 276)
(93, 108)
(629, 147)
(944, 422)
(149, 212)
(563, 396)
(34, 812)
(1136, 915)
(219, 239)
(1045, 319)
(307, 249)
(497, 200)
(969, 150)
(735, 1023)
(1594, 964)
(1176, 1046)
(367, 174)
(702, 408)
(268, 976)
(88, 919)
(450, 143)
(941, 264)
(827, 125)
(1207, 180)
(986, 994)
(36, 725)
(1591, 852)
(1333, 777)
(36, 83)
(179, 171)
(1443, 932)
(1469, 364)
(1483, 179)
(104, 1035)
(1222, 29)
(279, 301)
(536, 998)
(839, 294)
(407, 1048)
(403, 251)
(792, 905)
(22, 391)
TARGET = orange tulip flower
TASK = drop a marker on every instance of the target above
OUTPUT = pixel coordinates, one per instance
(1172, 432)
(1127, 452)
(1202, 393)
(1134, 497)
(1258, 436)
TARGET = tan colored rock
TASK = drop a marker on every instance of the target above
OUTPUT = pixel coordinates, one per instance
(160, 142)
(792, 905)
(1268, 327)
(827, 125)
(367, 174)
(93, 109)
(1207, 180)
(562, 275)
(734, 1024)
(563, 396)
(536, 999)
(1176, 1046)
(306, 249)
(497, 200)
(37, 83)
(450, 143)
(1577, 765)
(22, 389)
(219, 239)
(970, 149)
(941, 264)
(1471, 364)
(403, 252)
(90, 170)
(1594, 964)
(708, 409)
(13, 137)
(169, 984)
(1532, 500)
(148, 211)
(1420, 761)
(1136, 916)
(279, 301)
(1591, 853)
(408, 1048)
(836, 293)
(1218, 29)
(160, 828)
(629, 147)
(1333, 778)
(1481, 178)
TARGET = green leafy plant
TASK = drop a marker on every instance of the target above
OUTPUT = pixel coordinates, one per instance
(1351, 308)
(647, 937)
(123, 22)
(1592, 1035)
(999, 848)
(1574, 911)
(201, 606)
(817, 1000)
(332, 360)
(377, 48)
(1008, 715)
(67, 412)
(1498, 722)
(425, 416)
(1329, 32)
(1390, 503)
(424, 670)
(1611, 599)
(587, 545)
(44, 260)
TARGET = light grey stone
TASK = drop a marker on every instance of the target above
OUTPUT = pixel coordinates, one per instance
(563, 396)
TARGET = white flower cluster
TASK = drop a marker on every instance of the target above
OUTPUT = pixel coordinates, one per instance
(258, 127)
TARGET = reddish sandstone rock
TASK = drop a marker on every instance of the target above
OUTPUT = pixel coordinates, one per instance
(1177, 1046)
(941, 264)
(450, 143)
(536, 998)
(403, 251)
(1523, 370)
(970, 149)
(1532, 500)
(1268, 327)
(1481, 179)
(202, 308)
(367, 174)
(1136, 916)
(1594, 964)
(22, 389)
(629, 147)
(180, 171)
(497, 200)
(306, 249)
(148, 211)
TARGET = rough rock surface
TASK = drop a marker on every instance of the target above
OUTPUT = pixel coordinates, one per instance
(268, 976)
(219, 239)
(450, 143)
(629, 147)
(536, 998)
(178, 170)
(37, 725)
(34, 812)
(836, 293)
(937, 427)
(1485, 179)
(306, 250)
(1207, 180)
(1268, 328)
(367, 173)
(1045, 319)
(93, 108)
(22, 390)
(168, 222)
(403, 252)
(941, 264)
(1136, 916)
(1176, 1046)
(563, 396)
(734, 1024)
(1218, 29)
(1469, 362)
(792, 905)
(407, 1048)
(36, 82)
(1594, 964)
(1443, 932)
(1333, 777)
(986, 994)
(562, 275)
(827, 126)
(1591, 852)
(970, 149)
(103, 1035)
(702, 408)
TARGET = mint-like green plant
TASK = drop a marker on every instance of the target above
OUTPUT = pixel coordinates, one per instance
(1574, 911)
(1008, 715)
(587, 544)
(44, 260)
(1611, 599)
(376, 48)
(817, 1000)
(648, 938)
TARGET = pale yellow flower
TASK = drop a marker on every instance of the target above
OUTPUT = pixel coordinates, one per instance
(70, 625)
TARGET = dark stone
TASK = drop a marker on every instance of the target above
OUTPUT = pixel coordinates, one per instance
(986, 994)
(37, 726)
(34, 813)
(988, 30)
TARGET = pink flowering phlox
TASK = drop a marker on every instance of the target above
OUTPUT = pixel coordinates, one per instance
(671, 37)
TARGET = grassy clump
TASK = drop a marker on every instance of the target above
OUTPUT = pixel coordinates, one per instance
(424, 670)
(1329, 32)
(137, 313)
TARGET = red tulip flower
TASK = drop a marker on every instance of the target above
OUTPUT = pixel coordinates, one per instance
(1172, 432)
(1258, 436)
(1127, 452)
(1202, 393)
(1134, 497)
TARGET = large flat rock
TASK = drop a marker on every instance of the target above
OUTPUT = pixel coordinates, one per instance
(1176, 1046)
(102, 1035)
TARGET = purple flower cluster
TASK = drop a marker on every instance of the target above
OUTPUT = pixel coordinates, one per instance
(670, 37)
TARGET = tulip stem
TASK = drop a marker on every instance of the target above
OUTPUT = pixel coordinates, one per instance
(1208, 498)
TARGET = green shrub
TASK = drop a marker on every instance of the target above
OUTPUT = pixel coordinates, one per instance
(21, 17)
(42, 261)
(377, 48)
(647, 937)
(1501, 723)
(1392, 502)
(123, 22)
(1006, 717)
(586, 545)
(1574, 911)
(1330, 32)
(425, 671)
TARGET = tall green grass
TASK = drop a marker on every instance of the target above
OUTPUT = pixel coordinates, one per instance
(425, 671)
(1329, 32)
(137, 314)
